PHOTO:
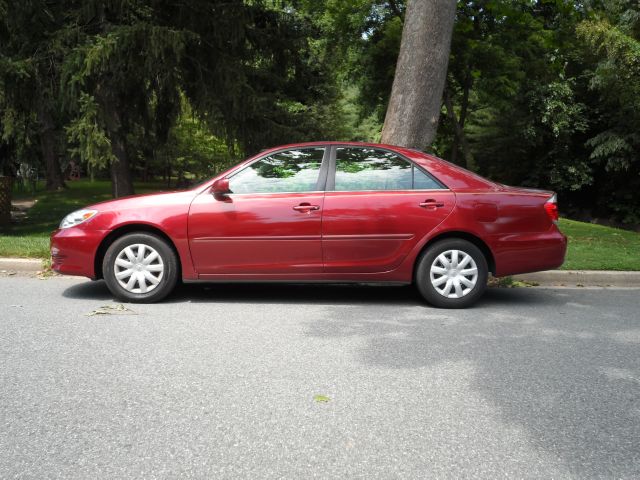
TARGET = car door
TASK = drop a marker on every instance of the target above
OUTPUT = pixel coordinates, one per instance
(378, 205)
(270, 223)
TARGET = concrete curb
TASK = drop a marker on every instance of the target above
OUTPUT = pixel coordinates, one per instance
(20, 265)
(586, 278)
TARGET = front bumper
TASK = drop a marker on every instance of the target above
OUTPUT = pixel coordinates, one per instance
(73, 251)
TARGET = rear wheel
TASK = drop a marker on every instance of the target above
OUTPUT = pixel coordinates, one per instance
(452, 273)
(140, 268)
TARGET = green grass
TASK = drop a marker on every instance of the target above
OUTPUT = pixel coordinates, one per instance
(594, 247)
(30, 238)
(591, 247)
(24, 246)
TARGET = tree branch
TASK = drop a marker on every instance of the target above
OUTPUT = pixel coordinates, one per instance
(458, 129)
(395, 9)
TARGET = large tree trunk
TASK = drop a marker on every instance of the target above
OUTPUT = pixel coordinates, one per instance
(49, 146)
(416, 96)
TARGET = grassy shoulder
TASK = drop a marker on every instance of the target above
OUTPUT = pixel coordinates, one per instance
(30, 237)
(595, 247)
(24, 246)
(591, 247)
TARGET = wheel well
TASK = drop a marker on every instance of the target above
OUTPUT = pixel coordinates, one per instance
(119, 232)
(484, 248)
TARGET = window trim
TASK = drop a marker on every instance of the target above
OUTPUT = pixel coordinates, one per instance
(331, 179)
(322, 172)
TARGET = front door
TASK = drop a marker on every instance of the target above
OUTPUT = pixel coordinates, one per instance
(269, 224)
(380, 207)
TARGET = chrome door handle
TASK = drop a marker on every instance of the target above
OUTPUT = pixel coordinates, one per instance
(432, 204)
(306, 207)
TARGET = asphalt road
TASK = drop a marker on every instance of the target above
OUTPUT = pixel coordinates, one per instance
(219, 382)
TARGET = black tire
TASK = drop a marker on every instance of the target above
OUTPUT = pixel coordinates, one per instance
(168, 261)
(429, 291)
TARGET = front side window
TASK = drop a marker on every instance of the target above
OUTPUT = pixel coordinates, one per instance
(370, 169)
(288, 171)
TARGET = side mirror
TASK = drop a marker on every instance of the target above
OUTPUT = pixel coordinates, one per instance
(220, 187)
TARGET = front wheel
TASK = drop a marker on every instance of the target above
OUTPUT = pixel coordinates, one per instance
(452, 273)
(140, 268)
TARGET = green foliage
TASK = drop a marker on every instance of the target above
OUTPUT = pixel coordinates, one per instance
(193, 150)
(92, 144)
(619, 67)
(360, 40)
(535, 105)
(542, 109)
(113, 77)
(614, 150)
(613, 40)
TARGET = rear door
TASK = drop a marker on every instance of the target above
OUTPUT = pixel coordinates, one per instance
(378, 205)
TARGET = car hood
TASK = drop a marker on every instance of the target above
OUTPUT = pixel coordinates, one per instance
(146, 200)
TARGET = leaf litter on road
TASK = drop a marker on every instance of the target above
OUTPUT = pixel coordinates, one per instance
(117, 309)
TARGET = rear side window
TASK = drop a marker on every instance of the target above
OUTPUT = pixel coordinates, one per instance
(422, 181)
(372, 169)
(288, 171)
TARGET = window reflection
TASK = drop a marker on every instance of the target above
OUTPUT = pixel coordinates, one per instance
(371, 169)
(288, 171)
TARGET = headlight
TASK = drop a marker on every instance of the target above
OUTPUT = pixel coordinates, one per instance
(77, 217)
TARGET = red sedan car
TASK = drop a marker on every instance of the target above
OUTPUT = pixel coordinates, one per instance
(319, 212)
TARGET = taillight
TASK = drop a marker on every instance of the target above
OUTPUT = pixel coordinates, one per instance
(551, 207)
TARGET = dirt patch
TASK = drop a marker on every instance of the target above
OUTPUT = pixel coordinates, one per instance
(19, 209)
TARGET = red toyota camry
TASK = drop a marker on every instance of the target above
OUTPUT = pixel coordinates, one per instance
(319, 212)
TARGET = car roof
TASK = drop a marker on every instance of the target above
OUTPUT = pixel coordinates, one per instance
(453, 176)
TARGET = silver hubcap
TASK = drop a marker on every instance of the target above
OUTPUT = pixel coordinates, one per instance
(139, 268)
(454, 274)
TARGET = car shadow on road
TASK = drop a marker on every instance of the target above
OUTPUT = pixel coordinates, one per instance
(88, 290)
(565, 369)
(318, 294)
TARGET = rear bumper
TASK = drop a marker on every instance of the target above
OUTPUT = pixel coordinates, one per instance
(530, 252)
(73, 251)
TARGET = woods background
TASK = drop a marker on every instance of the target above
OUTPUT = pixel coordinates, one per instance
(539, 93)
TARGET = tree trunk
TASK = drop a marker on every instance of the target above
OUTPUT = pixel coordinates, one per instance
(5, 199)
(416, 96)
(458, 126)
(49, 146)
(121, 181)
